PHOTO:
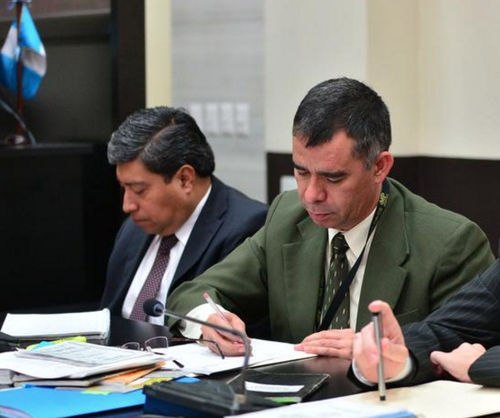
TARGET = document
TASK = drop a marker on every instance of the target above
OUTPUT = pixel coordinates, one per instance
(107, 359)
(440, 399)
(325, 409)
(197, 358)
(94, 325)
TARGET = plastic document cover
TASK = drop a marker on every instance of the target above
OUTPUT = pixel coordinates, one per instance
(281, 387)
(206, 398)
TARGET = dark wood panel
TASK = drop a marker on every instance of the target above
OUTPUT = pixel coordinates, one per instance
(466, 186)
(129, 64)
(59, 217)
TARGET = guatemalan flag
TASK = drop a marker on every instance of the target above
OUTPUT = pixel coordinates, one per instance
(30, 51)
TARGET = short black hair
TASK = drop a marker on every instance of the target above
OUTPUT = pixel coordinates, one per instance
(164, 139)
(344, 104)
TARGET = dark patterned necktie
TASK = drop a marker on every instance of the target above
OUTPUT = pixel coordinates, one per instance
(151, 286)
(337, 273)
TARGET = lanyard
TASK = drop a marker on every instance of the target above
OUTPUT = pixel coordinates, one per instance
(337, 300)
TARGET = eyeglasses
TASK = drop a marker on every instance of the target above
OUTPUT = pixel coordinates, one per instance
(156, 343)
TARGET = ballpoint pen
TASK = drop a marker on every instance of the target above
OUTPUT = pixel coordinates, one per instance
(216, 309)
(377, 325)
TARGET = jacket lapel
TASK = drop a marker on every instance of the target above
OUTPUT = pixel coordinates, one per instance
(384, 275)
(207, 224)
(303, 271)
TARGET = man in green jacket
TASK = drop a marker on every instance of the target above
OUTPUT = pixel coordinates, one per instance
(347, 236)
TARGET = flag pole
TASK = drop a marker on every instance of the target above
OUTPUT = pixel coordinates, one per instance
(20, 131)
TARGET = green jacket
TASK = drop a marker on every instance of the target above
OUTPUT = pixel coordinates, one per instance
(421, 254)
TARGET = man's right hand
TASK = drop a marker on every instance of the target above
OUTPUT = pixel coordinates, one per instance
(230, 345)
(394, 351)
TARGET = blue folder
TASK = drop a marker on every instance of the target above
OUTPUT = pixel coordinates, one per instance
(41, 402)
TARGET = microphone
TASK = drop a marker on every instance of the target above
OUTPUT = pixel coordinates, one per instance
(153, 307)
(213, 398)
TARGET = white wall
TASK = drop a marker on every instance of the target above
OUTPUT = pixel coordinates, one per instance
(158, 52)
(436, 63)
(307, 42)
(217, 58)
(393, 67)
(459, 73)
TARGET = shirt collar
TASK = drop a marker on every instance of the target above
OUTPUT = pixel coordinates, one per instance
(356, 237)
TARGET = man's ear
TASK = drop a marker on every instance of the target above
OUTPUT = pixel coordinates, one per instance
(383, 165)
(186, 176)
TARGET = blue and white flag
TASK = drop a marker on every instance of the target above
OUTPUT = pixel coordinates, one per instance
(31, 53)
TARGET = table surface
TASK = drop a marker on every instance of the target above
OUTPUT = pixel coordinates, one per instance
(124, 330)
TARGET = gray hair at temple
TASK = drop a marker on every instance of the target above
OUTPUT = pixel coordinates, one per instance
(164, 139)
(344, 104)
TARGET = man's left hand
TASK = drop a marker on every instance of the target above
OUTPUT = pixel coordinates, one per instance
(332, 343)
(458, 362)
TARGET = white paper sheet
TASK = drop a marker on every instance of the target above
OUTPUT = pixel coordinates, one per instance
(325, 409)
(197, 358)
(440, 399)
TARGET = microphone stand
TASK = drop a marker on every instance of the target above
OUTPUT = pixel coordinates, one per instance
(240, 396)
(237, 399)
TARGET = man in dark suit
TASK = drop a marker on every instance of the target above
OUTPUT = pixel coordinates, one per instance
(461, 339)
(182, 219)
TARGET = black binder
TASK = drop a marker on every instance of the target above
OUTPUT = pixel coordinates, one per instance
(310, 382)
(212, 399)
(207, 399)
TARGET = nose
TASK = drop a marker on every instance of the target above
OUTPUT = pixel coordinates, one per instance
(314, 191)
(129, 203)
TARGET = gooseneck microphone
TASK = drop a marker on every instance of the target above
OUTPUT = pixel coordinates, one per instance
(206, 397)
(153, 307)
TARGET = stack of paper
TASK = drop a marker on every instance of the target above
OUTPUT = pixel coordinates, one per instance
(35, 327)
(74, 360)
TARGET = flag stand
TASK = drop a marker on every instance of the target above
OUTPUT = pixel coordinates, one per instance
(22, 135)
(19, 138)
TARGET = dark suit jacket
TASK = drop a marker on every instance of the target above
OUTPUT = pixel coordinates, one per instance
(473, 316)
(420, 255)
(227, 218)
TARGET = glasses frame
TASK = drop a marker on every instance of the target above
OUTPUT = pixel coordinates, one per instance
(145, 345)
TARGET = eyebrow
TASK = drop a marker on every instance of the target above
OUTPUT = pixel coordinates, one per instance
(328, 174)
(132, 183)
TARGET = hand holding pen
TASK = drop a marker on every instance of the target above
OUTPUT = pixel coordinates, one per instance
(367, 353)
(229, 344)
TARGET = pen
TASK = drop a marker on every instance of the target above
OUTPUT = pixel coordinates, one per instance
(377, 325)
(216, 308)
(219, 312)
(178, 363)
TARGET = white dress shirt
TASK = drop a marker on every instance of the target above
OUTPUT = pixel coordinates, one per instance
(176, 252)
